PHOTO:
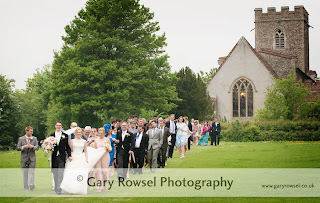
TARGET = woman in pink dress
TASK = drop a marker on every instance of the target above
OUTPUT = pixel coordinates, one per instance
(102, 165)
(196, 128)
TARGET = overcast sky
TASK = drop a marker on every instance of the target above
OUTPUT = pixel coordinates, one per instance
(197, 31)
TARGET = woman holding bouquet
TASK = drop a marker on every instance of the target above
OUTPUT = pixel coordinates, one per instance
(102, 165)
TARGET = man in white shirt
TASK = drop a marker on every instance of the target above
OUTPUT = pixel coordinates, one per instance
(124, 149)
(140, 149)
(60, 153)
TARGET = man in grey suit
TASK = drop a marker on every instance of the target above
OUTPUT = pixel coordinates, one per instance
(162, 157)
(28, 144)
(155, 140)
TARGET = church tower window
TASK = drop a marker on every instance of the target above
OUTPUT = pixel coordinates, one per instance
(279, 39)
(242, 98)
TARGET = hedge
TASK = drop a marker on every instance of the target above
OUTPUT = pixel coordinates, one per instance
(270, 131)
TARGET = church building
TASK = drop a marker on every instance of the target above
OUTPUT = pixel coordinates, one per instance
(238, 87)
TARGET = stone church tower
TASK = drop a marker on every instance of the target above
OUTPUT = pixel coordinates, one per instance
(282, 38)
(281, 45)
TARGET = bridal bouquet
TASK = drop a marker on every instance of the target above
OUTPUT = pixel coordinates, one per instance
(48, 144)
(108, 147)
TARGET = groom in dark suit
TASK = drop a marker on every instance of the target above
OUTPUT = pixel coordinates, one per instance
(216, 129)
(60, 151)
(124, 149)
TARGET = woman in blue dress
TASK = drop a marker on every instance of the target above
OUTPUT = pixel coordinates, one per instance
(181, 137)
(113, 140)
(205, 134)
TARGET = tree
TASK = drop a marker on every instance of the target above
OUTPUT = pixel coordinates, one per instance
(287, 99)
(192, 91)
(34, 102)
(112, 64)
(9, 113)
(206, 76)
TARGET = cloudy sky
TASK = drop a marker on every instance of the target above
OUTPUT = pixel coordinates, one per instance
(197, 31)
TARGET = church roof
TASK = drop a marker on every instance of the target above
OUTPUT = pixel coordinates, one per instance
(263, 61)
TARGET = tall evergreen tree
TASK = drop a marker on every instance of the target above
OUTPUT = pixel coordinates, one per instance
(112, 64)
(196, 101)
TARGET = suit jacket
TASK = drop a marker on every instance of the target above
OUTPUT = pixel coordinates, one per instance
(143, 144)
(27, 155)
(63, 148)
(168, 126)
(216, 128)
(125, 144)
(154, 140)
(190, 126)
(166, 134)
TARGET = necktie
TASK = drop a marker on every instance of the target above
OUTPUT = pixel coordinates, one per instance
(28, 140)
(162, 131)
(138, 136)
(153, 132)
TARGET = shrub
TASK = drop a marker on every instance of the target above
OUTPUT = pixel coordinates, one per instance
(271, 131)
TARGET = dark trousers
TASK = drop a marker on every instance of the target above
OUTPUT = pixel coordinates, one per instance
(139, 157)
(162, 156)
(211, 137)
(216, 137)
(28, 173)
(123, 161)
(58, 173)
(190, 139)
(173, 142)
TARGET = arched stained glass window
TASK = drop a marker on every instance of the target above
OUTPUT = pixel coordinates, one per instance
(242, 98)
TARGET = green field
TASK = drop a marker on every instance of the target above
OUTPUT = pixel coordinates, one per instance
(227, 155)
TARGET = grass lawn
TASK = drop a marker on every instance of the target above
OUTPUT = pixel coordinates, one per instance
(227, 155)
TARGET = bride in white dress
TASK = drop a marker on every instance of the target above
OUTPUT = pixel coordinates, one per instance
(83, 159)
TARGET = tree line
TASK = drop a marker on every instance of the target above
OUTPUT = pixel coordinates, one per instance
(112, 64)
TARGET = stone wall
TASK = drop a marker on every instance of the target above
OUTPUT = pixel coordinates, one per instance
(281, 64)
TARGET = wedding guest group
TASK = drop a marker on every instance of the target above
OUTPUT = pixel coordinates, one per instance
(123, 147)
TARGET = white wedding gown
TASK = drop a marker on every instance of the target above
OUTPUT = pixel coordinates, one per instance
(76, 172)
